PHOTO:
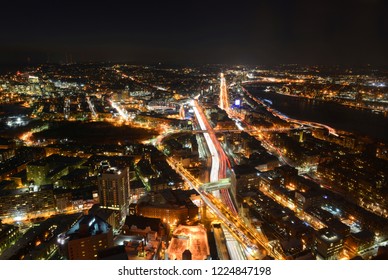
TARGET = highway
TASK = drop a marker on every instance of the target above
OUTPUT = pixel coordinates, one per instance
(258, 235)
(91, 107)
(215, 168)
(250, 238)
(247, 237)
(220, 160)
(122, 112)
(254, 242)
(219, 236)
(234, 247)
(224, 99)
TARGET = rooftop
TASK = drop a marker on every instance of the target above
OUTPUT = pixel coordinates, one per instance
(143, 222)
(193, 238)
(103, 213)
(244, 169)
(328, 236)
(6, 192)
(88, 225)
(56, 159)
(112, 171)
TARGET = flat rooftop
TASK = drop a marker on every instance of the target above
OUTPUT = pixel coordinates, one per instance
(193, 238)
(329, 236)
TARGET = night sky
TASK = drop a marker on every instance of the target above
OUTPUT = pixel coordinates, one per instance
(350, 32)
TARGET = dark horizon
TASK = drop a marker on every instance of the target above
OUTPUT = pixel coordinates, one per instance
(264, 32)
(16, 66)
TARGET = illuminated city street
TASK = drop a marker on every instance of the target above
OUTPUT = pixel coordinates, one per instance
(194, 140)
(260, 183)
(207, 162)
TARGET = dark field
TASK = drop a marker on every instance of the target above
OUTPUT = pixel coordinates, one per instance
(95, 133)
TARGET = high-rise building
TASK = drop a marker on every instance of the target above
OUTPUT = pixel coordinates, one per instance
(89, 235)
(114, 189)
(327, 244)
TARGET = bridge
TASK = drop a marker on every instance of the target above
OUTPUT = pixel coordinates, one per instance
(218, 185)
(280, 129)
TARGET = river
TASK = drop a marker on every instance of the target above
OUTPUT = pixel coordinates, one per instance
(362, 122)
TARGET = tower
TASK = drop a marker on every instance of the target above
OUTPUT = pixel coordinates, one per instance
(114, 190)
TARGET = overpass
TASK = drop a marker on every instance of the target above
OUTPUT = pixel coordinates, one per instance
(218, 185)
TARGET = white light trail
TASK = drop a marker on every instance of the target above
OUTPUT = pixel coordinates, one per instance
(123, 113)
(224, 99)
(215, 159)
(91, 107)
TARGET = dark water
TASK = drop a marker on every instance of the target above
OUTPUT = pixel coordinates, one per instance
(361, 122)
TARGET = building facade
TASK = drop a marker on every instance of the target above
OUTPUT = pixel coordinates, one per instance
(114, 189)
(88, 235)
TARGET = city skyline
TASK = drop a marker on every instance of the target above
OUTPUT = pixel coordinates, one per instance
(256, 130)
(152, 162)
